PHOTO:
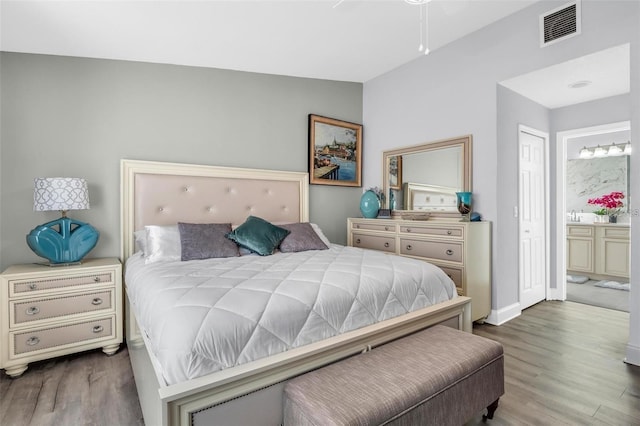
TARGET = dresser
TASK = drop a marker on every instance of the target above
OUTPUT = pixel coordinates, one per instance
(461, 249)
(51, 311)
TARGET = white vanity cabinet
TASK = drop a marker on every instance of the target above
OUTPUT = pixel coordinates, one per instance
(598, 251)
(580, 252)
(461, 249)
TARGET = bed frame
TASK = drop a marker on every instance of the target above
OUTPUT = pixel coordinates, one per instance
(154, 193)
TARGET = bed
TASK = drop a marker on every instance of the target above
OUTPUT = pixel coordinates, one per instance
(164, 194)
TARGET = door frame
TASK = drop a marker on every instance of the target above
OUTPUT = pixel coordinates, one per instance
(547, 211)
(560, 291)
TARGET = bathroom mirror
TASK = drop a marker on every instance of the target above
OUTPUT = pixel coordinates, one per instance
(426, 177)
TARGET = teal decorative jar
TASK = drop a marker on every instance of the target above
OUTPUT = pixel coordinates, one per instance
(369, 204)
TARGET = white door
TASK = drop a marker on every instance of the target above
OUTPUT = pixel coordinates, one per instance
(532, 222)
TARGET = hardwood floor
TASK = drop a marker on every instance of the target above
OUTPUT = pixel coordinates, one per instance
(89, 388)
(563, 365)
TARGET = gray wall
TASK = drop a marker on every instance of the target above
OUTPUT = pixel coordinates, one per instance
(65, 116)
(452, 92)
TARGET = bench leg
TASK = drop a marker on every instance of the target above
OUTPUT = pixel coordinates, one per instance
(491, 409)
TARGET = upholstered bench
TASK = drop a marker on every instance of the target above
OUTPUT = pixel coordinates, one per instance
(438, 376)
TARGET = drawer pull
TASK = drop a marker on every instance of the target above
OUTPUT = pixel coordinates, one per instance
(97, 328)
(408, 229)
(386, 228)
(449, 252)
(96, 279)
(96, 301)
(33, 286)
(449, 232)
(33, 310)
(409, 247)
(386, 245)
(358, 241)
(32, 341)
(357, 226)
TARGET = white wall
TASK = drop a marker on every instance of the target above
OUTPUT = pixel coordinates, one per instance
(453, 92)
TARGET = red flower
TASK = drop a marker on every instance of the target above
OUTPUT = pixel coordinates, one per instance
(610, 203)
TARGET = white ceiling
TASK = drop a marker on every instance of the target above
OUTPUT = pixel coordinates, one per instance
(353, 40)
(608, 72)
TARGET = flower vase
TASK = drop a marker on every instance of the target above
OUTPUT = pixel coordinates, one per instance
(613, 219)
(464, 205)
(369, 204)
(601, 218)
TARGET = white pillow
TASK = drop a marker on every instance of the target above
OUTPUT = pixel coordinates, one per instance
(163, 244)
(321, 235)
(141, 240)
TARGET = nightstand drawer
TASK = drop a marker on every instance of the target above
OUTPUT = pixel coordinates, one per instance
(374, 242)
(22, 287)
(56, 337)
(40, 309)
(432, 249)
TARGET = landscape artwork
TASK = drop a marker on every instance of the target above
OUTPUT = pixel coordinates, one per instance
(335, 152)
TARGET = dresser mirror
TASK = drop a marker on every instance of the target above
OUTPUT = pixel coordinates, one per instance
(426, 177)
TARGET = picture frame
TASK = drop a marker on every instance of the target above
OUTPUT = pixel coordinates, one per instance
(335, 152)
(395, 172)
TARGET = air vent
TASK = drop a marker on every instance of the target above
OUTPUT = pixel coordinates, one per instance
(560, 24)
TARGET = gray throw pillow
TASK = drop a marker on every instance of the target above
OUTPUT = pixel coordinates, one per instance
(206, 240)
(302, 237)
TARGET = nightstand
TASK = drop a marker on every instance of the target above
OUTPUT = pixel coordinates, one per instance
(50, 311)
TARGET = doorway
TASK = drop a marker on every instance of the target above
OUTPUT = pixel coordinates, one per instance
(600, 289)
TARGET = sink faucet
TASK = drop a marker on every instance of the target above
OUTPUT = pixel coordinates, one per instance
(574, 216)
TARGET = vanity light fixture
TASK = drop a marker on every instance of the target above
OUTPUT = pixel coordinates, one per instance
(614, 150)
(586, 153)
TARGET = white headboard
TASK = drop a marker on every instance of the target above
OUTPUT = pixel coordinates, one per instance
(157, 193)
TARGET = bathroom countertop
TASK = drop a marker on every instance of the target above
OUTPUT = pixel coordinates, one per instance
(622, 225)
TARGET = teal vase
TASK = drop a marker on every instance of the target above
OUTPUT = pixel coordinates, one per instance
(369, 205)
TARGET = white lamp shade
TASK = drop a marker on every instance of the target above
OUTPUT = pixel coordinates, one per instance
(60, 194)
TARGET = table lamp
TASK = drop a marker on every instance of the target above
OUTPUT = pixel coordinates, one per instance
(64, 240)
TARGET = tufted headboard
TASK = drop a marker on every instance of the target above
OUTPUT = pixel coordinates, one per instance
(156, 193)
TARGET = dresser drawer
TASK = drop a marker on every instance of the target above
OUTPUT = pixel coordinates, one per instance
(26, 311)
(374, 242)
(384, 227)
(55, 337)
(23, 287)
(456, 276)
(441, 250)
(440, 231)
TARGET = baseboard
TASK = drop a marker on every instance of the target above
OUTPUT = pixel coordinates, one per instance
(555, 294)
(633, 355)
(500, 316)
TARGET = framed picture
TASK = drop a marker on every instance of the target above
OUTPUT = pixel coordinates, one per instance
(395, 172)
(335, 152)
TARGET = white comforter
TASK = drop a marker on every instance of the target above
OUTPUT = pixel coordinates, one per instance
(202, 316)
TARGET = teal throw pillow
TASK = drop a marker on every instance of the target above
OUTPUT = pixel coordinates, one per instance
(258, 235)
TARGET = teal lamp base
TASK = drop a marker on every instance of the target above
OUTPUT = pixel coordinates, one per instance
(63, 241)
